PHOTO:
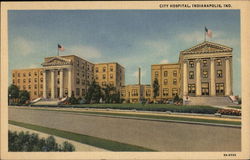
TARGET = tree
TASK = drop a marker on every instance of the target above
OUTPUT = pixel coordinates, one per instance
(13, 92)
(156, 87)
(72, 99)
(24, 96)
(108, 93)
(94, 93)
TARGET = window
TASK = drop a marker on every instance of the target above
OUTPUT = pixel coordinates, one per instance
(165, 81)
(191, 88)
(96, 69)
(88, 67)
(175, 73)
(111, 69)
(58, 81)
(58, 73)
(18, 74)
(134, 92)
(83, 92)
(41, 73)
(204, 63)
(83, 82)
(156, 73)
(174, 91)
(29, 86)
(111, 76)
(218, 62)
(24, 80)
(18, 81)
(103, 83)
(111, 83)
(123, 93)
(35, 93)
(219, 73)
(78, 63)
(24, 74)
(104, 76)
(35, 80)
(35, 86)
(13, 81)
(165, 91)
(29, 80)
(96, 77)
(191, 64)
(174, 81)
(41, 86)
(77, 91)
(165, 73)
(205, 74)
(191, 75)
(219, 88)
(77, 81)
(41, 79)
(24, 87)
(104, 69)
(148, 92)
(35, 74)
(29, 73)
(13, 75)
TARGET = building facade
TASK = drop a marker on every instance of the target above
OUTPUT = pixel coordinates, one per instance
(30, 80)
(206, 70)
(169, 80)
(136, 93)
(110, 74)
(64, 76)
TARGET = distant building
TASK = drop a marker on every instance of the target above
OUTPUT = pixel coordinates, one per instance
(63, 76)
(110, 74)
(169, 80)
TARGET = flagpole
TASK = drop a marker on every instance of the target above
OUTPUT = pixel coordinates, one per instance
(205, 34)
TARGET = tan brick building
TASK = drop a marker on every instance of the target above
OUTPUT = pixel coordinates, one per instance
(110, 74)
(62, 76)
(30, 80)
(169, 80)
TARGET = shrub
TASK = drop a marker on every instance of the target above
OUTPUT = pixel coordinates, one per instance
(232, 112)
(24, 141)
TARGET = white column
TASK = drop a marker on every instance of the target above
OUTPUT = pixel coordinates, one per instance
(61, 83)
(228, 78)
(185, 79)
(198, 78)
(212, 82)
(52, 84)
(69, 82)
(44, 85)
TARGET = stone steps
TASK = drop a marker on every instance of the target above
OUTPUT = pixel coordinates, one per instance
(212, 101)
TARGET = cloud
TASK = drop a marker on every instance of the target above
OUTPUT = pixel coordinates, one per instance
(88, 52)
(158, 47)
(136, 74)
(23, 46)
(164, 61)
(195, 36)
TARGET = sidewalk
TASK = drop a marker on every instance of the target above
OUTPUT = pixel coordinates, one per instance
(79, 147)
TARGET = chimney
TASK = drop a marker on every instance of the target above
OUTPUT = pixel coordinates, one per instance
(139, 76)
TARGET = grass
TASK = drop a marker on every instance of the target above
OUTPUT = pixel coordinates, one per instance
(150, 107)
(153, 117)
(90, 140)
(237, 107)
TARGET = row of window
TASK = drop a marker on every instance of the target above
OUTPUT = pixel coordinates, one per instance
(104, 69)
(165, 73)
(165, 92)
(205, 74)
(29, 86)
(83, 65)
(104, 76)
(205, 63)
(165, 81)
(219, 88)
(29, 80)
(24, 74)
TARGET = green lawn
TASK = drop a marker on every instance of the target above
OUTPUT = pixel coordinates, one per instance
(153, 117)
(151, 107)
(237, 107)
(85, 139)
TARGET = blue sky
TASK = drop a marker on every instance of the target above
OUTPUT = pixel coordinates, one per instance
(132, 38)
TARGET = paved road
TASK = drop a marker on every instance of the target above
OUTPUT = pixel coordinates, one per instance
(161, 136)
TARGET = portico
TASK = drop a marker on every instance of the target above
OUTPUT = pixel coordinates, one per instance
(57, 75)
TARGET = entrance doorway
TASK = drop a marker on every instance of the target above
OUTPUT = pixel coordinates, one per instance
(205, 89)
(220, 89)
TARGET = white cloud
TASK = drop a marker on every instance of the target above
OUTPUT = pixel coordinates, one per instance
(158, 47)
(88, 52)
(164, 61)
(195, 36)
(23, 46)
(136, 75)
